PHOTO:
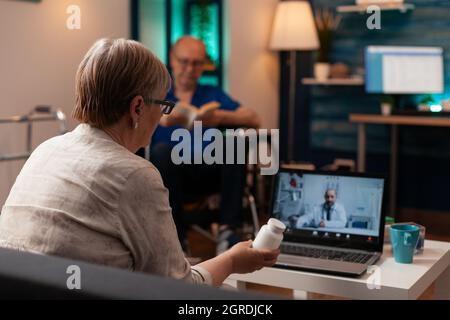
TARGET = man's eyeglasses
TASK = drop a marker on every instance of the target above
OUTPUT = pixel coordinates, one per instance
(186, 62)
(165, 105)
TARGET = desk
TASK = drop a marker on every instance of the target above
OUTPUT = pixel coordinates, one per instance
(394, 121)
(396, 281)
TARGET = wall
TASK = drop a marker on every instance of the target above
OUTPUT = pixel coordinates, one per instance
(426, 25)
(252, 69)
(38, 61)
(152, 26)
(423, 151)
(39, 57)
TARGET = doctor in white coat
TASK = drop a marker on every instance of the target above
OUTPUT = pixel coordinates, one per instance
(330, 214)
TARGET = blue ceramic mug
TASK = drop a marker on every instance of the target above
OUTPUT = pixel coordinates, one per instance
(404, 239)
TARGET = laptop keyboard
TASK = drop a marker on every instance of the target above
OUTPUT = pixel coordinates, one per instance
(326, 254)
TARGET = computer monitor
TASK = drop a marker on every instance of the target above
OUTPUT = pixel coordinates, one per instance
(329, 206)
(404, 70)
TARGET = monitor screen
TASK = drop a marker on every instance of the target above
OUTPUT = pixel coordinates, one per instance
(329, 206)
(404, 70)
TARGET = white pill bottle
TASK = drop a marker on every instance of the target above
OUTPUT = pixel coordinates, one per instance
(270, 235)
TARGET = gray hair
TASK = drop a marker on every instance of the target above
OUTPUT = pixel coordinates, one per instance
(111, 75)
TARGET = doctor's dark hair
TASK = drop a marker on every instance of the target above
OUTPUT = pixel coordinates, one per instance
(111, 75)
(331, 189)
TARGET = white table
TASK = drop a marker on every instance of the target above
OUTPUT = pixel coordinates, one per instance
(390, 280)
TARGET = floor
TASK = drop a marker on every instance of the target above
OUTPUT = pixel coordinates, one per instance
(204, 248)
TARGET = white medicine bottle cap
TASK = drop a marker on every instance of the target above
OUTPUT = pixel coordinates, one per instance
(276, 225)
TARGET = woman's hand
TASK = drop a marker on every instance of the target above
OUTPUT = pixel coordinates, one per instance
(242, 258)
(246, 259)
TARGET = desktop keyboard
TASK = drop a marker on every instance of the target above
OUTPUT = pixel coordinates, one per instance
(326, 254)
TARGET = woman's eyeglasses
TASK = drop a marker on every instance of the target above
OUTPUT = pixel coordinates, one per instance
(165, 105)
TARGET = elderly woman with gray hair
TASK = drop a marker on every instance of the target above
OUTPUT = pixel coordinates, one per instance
(87, 196)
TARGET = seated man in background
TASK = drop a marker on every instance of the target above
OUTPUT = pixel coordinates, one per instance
(330, 214)
(187, 60)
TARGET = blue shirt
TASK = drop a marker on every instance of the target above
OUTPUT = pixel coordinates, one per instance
(203, 94)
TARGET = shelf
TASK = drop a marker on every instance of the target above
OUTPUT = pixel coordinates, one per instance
(355, 81)
(402, 7)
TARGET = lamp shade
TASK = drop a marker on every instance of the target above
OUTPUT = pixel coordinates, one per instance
(294, 27)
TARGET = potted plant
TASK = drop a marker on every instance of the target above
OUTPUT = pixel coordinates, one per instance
(326, 23)
(387, 105)
(425, 102)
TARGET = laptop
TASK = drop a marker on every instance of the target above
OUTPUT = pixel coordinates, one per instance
(335, 220)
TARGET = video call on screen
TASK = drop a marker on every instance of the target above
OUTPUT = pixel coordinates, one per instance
(329, 204)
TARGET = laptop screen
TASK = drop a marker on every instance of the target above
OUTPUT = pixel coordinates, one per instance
(329, 207)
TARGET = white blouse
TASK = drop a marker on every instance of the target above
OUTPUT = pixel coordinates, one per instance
(85, 197)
